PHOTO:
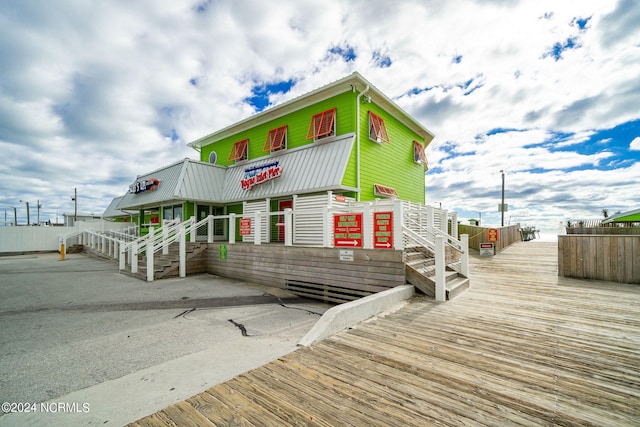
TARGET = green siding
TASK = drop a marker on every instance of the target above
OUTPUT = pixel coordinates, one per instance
(297, 122)
(389, 164)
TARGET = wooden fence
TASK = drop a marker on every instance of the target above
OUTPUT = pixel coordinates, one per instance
(507, 236)
(611, 258)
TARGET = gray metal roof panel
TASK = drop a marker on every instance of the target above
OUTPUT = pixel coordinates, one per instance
(184, 180)
(313, 167)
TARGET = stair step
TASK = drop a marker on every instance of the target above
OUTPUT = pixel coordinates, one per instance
(457, 286)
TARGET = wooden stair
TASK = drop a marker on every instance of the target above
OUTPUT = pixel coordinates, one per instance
(169, 265)
(420, 271)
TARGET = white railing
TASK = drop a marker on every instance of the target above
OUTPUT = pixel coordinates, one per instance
(427, 227)
(99, 242)
(410, 225)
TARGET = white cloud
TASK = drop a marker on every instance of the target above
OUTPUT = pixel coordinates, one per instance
(635, 144)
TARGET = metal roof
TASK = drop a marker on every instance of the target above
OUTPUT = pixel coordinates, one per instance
(184, 180)
(312, 168)
(630, 216)
(112, 211)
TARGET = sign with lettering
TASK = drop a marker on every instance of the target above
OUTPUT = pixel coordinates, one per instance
(487, 249)
(245, 226)
(383, 230)
(493, 234)
(257, 175)
(347, 230)
(144, 185)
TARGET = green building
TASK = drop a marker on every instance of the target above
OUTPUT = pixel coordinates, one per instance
(343, 141)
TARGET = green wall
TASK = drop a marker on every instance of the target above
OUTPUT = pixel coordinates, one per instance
(389, 164)
(298, 124)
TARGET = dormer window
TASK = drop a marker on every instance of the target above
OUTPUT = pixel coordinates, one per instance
(239, 151)
(419, 155)
(276, 140)
(322, 125)
(377, 129)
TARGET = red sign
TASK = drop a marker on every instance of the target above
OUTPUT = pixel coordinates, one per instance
(493, 235)
(245, 226)
(347, 230)
(340, 198)
(383, 230)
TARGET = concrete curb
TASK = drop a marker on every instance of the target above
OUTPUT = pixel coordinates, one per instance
(348, 314)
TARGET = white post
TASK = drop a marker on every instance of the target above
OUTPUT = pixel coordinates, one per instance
(288, 232)
(232, 229)
(210, 224)
(398, 230)
(440, 268)
(150, 263)
(165, 236)
(123, 257)
(454, 224)
(464, 257)
(367, 226)
(192, 235)
(183, 252)
(134, 257)
(430, 218)
(326, 227)
(257, 229)
(103, 244)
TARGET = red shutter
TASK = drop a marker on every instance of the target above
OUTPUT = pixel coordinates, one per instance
(379, 129)
(321, 124)
(239, 150)
(275, 139)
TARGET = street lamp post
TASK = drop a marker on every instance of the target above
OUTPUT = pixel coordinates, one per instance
(502, 204)
(75, 202)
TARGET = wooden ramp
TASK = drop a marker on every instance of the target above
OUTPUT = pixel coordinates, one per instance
(520, 347)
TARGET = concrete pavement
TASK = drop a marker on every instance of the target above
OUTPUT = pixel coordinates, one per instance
(82, 344)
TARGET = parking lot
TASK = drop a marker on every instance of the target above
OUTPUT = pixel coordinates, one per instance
(105, 348)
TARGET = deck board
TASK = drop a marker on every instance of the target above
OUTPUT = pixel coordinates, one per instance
(521, 347)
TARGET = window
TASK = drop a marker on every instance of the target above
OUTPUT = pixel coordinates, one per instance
(419, 155)
(384, 191)
(276, 140)
(172, 212)
(239, 151)
(322, 125)
(377, 130)
(213, 157)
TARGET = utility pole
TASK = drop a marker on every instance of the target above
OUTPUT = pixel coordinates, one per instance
(28, 216)
(39, 206)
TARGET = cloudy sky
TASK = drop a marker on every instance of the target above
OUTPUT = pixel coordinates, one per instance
(94, 93)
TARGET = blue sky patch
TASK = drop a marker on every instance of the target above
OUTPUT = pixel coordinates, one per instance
(382, 61)
(347, 53)
(202, 6)
(581, 22)
(259, 99)
(558, 48)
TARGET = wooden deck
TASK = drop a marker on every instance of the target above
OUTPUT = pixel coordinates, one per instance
(521, 347)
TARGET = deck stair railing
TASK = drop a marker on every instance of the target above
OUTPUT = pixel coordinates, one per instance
(162, 238)
(427, 227)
